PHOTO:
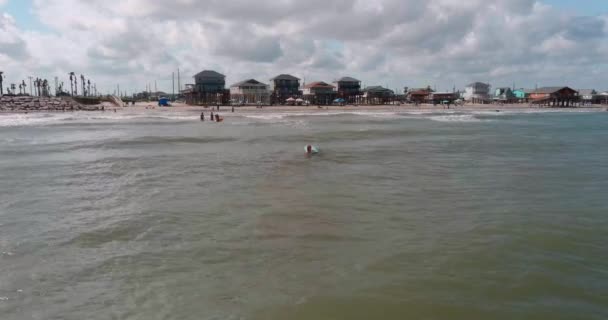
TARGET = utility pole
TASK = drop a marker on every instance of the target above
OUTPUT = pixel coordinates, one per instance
(173, 79)
(155, 87)
(179, 83)
(118, 90)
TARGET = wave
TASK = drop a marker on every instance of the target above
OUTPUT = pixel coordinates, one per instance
(88, 118)
(41, 119)
(285, 115)
(458, 118)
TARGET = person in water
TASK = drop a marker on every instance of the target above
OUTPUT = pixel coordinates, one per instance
(212, 118)
(202, 116)
(309, 149)
(217, 117)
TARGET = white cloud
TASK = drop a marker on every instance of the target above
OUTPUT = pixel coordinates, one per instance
(395, 42)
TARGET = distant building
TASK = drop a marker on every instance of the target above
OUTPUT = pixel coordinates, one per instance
(589, 96)
(209, 88)
(504, 95)
(555, 97)
(378, 95)
(477, 92)
(283, 87)
(443, 97)
(149, 96)
(604, 97)
(349, 89)
(418, 95)
(250, 92)
(320, 93)
(522, 95)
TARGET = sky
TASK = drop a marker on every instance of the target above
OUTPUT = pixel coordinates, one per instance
(393, 43)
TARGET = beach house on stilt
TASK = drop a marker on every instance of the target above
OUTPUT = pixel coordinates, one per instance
(284, 87)
(555, 97)
(349, 89)
(250, 92)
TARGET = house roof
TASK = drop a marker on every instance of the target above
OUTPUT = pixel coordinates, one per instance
(285, 77)
(420, 92)
(318, 84)
(427, 89)
(587, 92)
(209, 74)
(377, 89)
(250, 82)
(477, 84)
(549, 90)
(348, 79)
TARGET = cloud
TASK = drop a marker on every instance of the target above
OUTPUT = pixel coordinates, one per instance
(11, 44)
(395, 42)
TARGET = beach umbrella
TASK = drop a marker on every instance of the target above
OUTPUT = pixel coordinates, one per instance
(291, 100)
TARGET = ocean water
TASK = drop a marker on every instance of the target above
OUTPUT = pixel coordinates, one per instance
(402, 216)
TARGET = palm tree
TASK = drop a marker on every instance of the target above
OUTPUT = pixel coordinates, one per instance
(20, 88)
(45, 88)
(24, 86)
(13, 88)
(75, 85)
(72, 74)
(83, 83)
(1, 79)
(89, 87)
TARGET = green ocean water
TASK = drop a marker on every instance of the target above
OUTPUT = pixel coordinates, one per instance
(401, 216)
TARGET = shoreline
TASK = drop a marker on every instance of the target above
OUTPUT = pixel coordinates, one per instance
(361, 108)
(226, 110)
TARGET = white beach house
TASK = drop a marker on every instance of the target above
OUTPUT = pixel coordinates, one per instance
(477, 92)
(250, 92)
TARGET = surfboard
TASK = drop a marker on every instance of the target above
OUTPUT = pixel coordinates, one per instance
(315, 149)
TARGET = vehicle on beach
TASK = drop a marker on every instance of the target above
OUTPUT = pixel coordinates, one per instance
(164, 102)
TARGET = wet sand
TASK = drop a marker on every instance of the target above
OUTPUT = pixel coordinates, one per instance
(366, 108)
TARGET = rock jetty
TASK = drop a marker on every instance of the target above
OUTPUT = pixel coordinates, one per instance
(29, 103)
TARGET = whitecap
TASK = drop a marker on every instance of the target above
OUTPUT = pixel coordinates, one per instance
(457, 118)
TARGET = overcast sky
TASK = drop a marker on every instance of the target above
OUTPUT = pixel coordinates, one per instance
(442, 43)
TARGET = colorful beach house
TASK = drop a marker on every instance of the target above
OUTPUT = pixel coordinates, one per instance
(477, 92)
(504, 95)
(250, 92)
(522, 95)
(283, 87)
(320, 93)
(349, 89)
(418, 95)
